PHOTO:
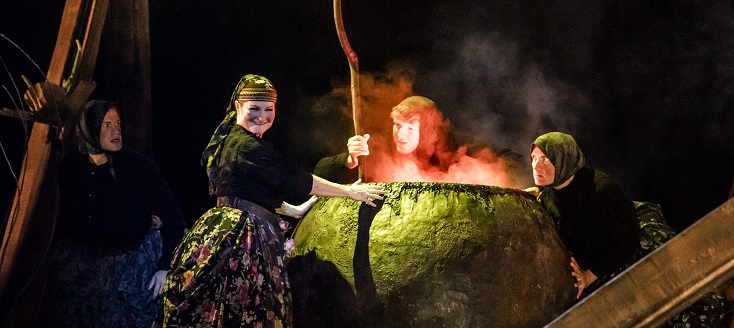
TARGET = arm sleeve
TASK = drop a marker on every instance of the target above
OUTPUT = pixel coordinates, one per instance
(278, 172)
(165, 206)
(620, 239)
(334, 169)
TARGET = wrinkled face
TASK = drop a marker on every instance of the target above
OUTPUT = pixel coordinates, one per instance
(543, 170)
(110, 134)
(255, 116)
(406, 134)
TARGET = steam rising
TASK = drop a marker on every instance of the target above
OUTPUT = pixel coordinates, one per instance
(471, 161)
(646, 91)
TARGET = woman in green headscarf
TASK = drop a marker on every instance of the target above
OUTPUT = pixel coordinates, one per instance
(596, 220)
(228, 271)
(600, 225)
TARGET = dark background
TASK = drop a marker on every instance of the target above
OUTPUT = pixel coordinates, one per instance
(646, 87)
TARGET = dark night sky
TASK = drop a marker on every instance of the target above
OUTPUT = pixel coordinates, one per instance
(647, 88)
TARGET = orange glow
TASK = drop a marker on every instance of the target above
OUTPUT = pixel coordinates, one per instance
(483, 168)
(439, 160)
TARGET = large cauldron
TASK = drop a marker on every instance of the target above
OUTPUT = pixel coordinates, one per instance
(431, 255)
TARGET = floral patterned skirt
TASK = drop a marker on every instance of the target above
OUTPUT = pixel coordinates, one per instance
(101, 287)
(228, 272)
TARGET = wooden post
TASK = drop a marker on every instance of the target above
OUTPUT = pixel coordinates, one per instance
(666, 281)
(29, 228)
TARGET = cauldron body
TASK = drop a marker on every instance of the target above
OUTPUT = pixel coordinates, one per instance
(430, 255)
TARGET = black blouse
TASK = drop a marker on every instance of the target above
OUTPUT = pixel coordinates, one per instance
(334, 169)
(249, 168)
(597, 222)
(98, 209)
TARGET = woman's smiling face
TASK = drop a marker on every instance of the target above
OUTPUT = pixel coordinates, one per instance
(256, 116)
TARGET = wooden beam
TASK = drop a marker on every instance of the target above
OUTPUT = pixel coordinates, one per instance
(16, 113)
(64, 41)
(30, 224)
(666, 281)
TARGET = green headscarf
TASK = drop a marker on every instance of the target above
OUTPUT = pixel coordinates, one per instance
(562, 150)
(565, 155)
(250, 87)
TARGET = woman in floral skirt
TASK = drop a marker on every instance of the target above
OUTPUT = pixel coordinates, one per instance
(228, 271)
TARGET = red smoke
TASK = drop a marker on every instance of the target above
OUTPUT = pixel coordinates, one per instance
(449, 162)
(482, 167)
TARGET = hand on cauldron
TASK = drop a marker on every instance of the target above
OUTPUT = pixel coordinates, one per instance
(532, 190)
(584, 278)
(365, 193)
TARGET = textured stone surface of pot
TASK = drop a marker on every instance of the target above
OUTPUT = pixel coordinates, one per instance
(430, 255)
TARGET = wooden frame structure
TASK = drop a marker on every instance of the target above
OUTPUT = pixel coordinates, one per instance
(32, 217)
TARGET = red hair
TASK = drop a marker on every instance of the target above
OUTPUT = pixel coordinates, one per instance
(433, 127)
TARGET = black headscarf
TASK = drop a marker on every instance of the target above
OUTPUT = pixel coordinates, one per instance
(90, 125)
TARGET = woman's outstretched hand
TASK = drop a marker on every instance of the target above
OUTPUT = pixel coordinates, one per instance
(365, 193)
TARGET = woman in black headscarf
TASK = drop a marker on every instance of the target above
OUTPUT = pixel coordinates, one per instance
(595, 219)
(109, 260)
(228, 270)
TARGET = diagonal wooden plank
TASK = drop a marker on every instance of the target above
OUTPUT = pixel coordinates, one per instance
(666, 281)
